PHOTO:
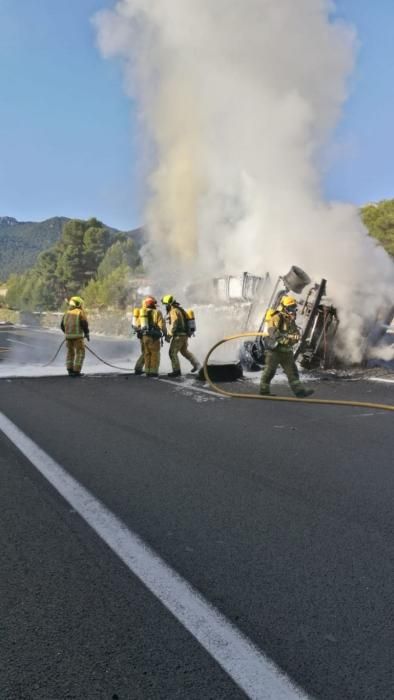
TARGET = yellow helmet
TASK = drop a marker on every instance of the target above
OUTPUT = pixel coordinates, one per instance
(168, 299)
(289, 303)
(75, 302)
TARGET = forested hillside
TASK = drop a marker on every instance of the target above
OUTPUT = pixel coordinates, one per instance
(88, 259)
(21, 242)
(379, 220)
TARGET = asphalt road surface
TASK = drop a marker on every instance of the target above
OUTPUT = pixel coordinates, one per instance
(226, 548)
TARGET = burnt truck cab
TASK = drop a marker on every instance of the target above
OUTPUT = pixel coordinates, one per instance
(317, 321)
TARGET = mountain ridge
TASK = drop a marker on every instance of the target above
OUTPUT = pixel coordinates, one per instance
(21, 242)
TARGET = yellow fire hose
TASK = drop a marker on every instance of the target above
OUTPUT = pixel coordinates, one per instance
(236, 395)
(124, 369)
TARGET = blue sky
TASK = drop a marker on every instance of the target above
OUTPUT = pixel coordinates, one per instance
(365, 172)
(68, 140)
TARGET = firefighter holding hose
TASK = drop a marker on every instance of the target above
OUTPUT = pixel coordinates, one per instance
(281, 334)
(152, 328)
(139, 365)
(75, 327)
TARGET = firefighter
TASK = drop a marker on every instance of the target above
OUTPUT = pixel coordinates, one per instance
(152, 329)
(179, 336)
(75, 327)
(281, 334)
(139, 365)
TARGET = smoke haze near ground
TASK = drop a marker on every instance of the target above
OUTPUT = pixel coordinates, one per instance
(382, 353)
(238, 100)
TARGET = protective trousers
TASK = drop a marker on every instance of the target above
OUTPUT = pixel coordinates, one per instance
(151, 354)
(179, 344)
(139, 365)
(285, 358)
(75, 354)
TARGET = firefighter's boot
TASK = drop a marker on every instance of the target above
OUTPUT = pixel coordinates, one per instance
(265, 389)
(303, 393)
(175, 373)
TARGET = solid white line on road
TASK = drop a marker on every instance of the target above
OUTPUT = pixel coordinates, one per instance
(192, 387)
(258, 677)
(380, 379)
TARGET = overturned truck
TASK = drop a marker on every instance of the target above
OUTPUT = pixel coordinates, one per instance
(317, 320)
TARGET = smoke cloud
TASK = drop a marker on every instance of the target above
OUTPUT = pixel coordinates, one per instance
(238, 100)
(382, 353)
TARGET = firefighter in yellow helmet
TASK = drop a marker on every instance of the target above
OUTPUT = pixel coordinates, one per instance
(281, 335)
(179, 333)
(152, 329)
(75, 326)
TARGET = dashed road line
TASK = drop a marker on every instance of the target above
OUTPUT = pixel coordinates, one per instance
(244, 663)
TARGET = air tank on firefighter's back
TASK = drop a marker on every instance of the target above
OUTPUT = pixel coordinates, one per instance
(136, 319)
(144, 319)
(296, 279)
(191, 321)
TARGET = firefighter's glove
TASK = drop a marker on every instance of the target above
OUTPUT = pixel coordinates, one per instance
(168, 339)
(87, 336)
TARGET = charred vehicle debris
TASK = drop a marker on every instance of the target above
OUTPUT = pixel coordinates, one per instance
(317, 318)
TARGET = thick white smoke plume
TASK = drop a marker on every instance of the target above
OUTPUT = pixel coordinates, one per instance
(238, 99)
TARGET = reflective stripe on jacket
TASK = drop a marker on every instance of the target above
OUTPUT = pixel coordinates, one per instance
(283, 327)
(74, 324)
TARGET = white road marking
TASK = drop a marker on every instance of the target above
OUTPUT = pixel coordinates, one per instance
(380, 379)
(20, 342)
(192, 387)
(258, 677)
(364, 415)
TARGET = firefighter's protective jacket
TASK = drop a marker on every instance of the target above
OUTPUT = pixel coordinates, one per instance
(75, 324)
(282, 328)
(157, 324)
(178, 321)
